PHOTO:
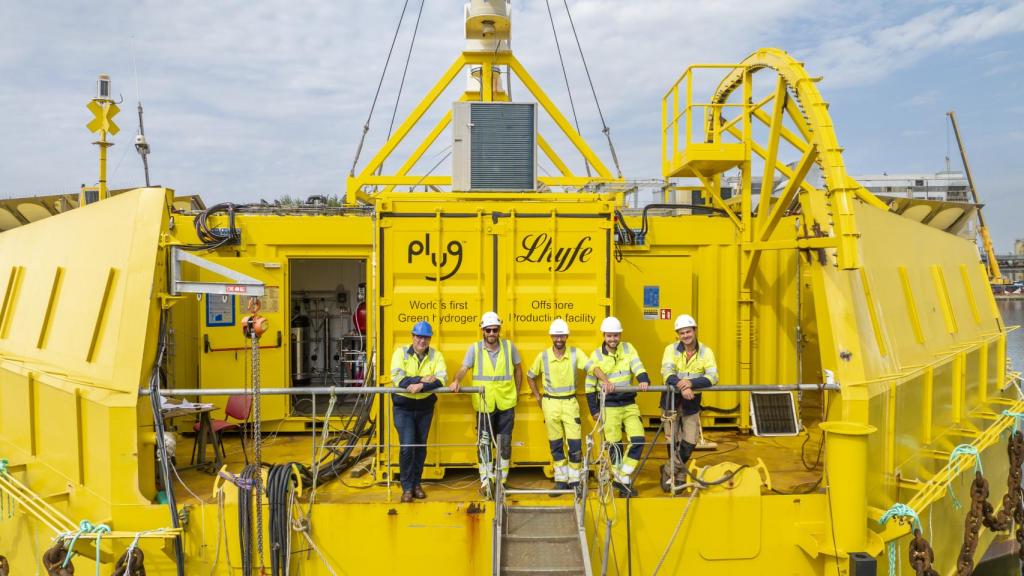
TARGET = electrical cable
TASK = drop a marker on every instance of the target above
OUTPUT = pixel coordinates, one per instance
(246, 482)
(161, 446)
(280, 492)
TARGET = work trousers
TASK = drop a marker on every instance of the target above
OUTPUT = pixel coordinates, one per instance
(413, 427)
(499, 423)
(625, 458)
(683, 431)
(562, 420)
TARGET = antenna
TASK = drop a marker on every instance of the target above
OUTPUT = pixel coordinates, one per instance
(141, 146)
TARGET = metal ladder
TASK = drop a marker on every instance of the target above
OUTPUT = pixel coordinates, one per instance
(531, 540)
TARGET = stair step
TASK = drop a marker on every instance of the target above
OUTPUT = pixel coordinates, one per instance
(540, 522)
(531, 537)
(540, 571)
(540, 556)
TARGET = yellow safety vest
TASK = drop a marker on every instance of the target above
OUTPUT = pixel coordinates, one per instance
(405, 363)
(619, 367)
(499, 387)
(559, 373)
(702, 363)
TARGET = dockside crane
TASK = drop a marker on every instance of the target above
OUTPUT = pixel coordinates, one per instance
(995, 276)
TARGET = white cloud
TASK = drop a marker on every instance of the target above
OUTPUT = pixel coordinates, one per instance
(247, 99)
(873, 54)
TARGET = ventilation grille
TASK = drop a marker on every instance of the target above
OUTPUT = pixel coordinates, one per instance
(495, 146)
(773, 414)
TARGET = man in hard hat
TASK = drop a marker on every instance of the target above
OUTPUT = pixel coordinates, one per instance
(559, 365)
(497, 368)
(687, 367)
(616, 363)
(418, 369)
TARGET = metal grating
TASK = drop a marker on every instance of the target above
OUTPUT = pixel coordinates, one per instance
(502, 146)
(773, 414)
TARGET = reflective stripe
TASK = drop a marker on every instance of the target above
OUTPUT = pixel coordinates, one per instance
(478, 369)
(549, 384)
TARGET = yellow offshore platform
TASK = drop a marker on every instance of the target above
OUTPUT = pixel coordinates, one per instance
(863, 388)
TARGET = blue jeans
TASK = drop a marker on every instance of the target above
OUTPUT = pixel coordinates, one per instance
(413, 427)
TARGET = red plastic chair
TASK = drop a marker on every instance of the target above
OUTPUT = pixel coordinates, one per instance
(238, 407)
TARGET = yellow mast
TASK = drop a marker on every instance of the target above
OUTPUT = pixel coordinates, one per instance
(103, 109)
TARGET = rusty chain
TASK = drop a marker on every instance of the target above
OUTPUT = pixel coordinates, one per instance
(131, 563)
(54, 558)
(921, 555)
(982, 512)
(972, 524)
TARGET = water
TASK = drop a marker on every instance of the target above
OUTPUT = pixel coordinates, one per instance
(1013, 315)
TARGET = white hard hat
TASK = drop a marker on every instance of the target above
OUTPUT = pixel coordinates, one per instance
(611, 324)
(489, 319)
(559, 328)
(685, 321)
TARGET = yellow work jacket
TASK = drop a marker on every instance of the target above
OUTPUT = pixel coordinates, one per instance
(700, 369)
(620, 367)
(405, 364)
(559, 373)
(497, 381)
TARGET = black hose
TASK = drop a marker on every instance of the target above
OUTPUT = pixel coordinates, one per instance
(213, 238)
(280, 486)
(705, 209)
(725, 478)
(161, 446)
(247, 480)
(629, 539)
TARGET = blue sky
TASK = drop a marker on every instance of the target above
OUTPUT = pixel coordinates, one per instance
(254, 100)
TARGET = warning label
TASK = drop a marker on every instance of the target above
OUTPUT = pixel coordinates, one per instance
(651, 313)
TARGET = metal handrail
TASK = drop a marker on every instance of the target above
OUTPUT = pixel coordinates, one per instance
(356, 390)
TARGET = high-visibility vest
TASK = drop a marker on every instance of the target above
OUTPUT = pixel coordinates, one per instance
(499, 387)
(405, 363)
(559, 373)
(702, 363)
(619, 367)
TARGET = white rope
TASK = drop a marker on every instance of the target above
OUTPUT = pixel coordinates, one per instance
(679, 524)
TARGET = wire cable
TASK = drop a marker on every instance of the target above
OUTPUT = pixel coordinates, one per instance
(401, 84)
(604, 126)
(565, 75)
(376, 95)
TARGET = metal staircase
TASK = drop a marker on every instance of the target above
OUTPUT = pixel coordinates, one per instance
(531, 540)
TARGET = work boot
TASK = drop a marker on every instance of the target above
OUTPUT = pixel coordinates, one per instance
(418, 493)
(559, 486)
(625, 490)
(406, 497)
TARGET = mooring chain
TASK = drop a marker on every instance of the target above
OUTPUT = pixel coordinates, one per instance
(53, 561)
(922, 555)
(131, 563)
(972, 524)
(982, 512)
(1012, 510)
